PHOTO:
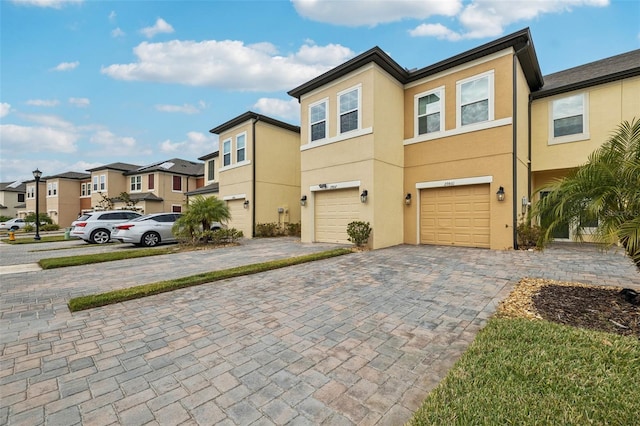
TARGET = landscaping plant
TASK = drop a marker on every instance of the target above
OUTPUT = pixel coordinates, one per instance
(359, 232)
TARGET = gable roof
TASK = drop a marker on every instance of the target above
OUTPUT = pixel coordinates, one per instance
(212, 188)
(121, 167)
(209, 156)
(603, 71)
(16, 186)
(520, 41)
(176, 166)
(250, 115)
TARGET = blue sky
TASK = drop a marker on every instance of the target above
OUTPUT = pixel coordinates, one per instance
(87, 83)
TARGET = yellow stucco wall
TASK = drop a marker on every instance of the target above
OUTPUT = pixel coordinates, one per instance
(66, 204)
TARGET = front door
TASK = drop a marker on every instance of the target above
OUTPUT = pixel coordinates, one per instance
(561, 231)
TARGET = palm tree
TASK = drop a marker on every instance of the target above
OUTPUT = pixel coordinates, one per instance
(606, 189)
(200, 214)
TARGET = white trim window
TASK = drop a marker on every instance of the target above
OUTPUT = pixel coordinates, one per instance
(241, 147)
(475, 99)
(570, 119)
(95, 184)
(226, 153)
(135, 184)
(31, 192)
(52, 189)
(85, 189)
(211, 170)
(429, 107)
(349, 110)
(103, 183)
(318, 120)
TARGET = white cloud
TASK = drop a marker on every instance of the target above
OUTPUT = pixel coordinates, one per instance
(43, 102)
(111, 141)
(488, 18)
(196, 145)
(49, 121)
(373, 12)
(5, 108)
(54, 4)
(66, 66)
(288, 110)
(39, 139)
(117, 33)
(228, 64)
(80, 102)
(112, 16)
(185, 109)
(161, 26)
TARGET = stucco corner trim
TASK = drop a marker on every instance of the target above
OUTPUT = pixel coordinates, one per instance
(460, 130)
(234, 197)
(454, 182)
(335, 185)
(339, 138)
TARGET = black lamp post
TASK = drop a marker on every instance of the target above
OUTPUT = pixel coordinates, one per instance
(37, 174)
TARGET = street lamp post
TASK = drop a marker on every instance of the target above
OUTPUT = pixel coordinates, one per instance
(37, 174)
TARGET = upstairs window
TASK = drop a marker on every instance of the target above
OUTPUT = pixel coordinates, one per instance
(318, 121)
(135, 183)
(226, 153)
(211, 170)
(570, 119)
(475, 99)
(95, 184)
(177, 183)
(349, 107)
(103, 182)
(151, 181)
(52, 189)
(429, 106)
(240, 147)
(31, 192)
(21, 198)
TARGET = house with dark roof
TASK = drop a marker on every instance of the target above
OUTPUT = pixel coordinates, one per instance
(60, 196)
(108, 181)
(211, 186)
(259, 171)
(12, 198)
(448, 154)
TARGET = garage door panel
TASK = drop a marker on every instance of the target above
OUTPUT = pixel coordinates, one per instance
(455, 216)
(334, 210)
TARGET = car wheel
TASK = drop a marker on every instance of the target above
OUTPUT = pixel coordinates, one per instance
(100, 236)
(14, 228)
(150, 239)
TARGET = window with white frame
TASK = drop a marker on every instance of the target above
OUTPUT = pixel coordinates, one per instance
(226, 153)
(211, 170)
(85, 189)
(103, 182)
(135, 183)
(430, 111)
(52, 189)
(570, 119)
(318, 120)
(241, 141)
(349, 109)
(474, 96)
(49, 189)
(31, 192)
(95, 184)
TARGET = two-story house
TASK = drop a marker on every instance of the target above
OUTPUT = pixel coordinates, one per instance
(12, 198)
(437, 155)
(259, 171)
(108, 181)
(211, 185)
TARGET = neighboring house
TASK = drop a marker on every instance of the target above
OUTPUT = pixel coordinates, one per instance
(211, 186)
(161, 187)
(108, 181)
(30, 201)
(575, 112)
(64, 197)
(421, 154)
(259, 171)
(12, 198)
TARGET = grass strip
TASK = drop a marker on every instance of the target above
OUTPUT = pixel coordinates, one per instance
(116, 296)
(87, 259)
(522, 372)
(27, 240)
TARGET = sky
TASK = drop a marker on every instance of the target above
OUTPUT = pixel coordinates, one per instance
(85, 83)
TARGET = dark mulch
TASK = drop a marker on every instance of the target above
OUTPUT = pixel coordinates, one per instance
(589, 307)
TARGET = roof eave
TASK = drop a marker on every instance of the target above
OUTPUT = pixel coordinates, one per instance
(250, 115)
(621, 75)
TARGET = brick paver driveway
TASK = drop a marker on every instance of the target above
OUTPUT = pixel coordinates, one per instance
(359, 339)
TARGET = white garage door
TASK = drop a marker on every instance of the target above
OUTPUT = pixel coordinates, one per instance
(455, 215)
(334, 210)
(240, 217)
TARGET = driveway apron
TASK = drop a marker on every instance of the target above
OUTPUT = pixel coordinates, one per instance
(358, 339)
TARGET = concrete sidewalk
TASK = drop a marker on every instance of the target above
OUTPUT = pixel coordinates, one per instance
(358, 339)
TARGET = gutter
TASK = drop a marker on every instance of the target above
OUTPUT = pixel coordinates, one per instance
(253, 186)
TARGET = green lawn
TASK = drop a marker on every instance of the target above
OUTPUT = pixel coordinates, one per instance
(523, 372)
(28, 239)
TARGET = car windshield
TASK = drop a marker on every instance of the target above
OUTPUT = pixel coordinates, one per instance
(84, 217)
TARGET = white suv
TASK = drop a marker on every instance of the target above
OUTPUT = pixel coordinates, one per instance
(95, 227)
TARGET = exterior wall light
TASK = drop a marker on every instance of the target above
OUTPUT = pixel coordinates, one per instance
(500, 194)
(363, 196)
(246, 204)
(407, 199)
(303, 200)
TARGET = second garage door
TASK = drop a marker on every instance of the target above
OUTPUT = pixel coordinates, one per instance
(334, 210)
(455, 215)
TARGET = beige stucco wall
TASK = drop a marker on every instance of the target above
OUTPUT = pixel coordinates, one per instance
(609, 105)
(9, 199)
(30, 203)
(64, 208)
(522, 137)
(116, 183)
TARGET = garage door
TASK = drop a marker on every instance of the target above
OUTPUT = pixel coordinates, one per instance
(334, 210)
(239, 217)
(455, 215)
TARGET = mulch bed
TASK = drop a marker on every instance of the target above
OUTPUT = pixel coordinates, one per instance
(574, 304)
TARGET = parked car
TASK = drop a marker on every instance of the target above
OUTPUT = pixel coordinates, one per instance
(13, 224)
(148, 230)
(95, 227)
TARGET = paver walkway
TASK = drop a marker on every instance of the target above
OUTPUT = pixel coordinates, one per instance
(359, 339)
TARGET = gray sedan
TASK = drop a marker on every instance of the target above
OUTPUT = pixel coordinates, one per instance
(148, 230)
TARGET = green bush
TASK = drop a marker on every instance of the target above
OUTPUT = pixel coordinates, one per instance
(294, 229)
(529, 235)
(269, 230)
(5, 218)
(222, 236)
(50, 227)
(359, 232)
(29, 228)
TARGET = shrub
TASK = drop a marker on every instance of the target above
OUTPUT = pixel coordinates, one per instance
(50, 227)
(269, 230)
(359, 232)
(529, 235)
(294, 229)
(28, 228)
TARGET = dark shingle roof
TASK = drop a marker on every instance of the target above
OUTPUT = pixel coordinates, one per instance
(599, 72)
(255, 116)
(209, 156)
(141, 196)
(122, 167)
(176, 166)
(69, 175)
(212, 188)
(16, 186)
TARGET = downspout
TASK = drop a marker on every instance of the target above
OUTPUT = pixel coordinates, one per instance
(253, 186)
(514, 127)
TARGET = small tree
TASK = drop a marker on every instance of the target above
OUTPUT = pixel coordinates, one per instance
(198, 217)
(129, 204)
(359, 232)
(105, 203)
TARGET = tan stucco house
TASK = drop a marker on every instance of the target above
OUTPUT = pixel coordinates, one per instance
(12, 198)
(449, 153)
(259, 171)
(63, 200)
(211, 184)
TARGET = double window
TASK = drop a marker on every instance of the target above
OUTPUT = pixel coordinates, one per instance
(31, 192)
(430, 109)
(85, 189)
(52, 189)
(135, 183)
(569, 119)
(226, 153)
(475, 99)
(349, 110)
(318, 120)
